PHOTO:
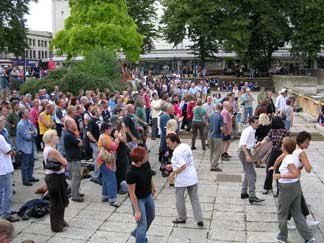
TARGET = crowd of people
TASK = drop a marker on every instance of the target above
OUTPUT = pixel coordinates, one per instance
(111, 129)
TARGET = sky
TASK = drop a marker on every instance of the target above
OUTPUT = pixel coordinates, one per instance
(40, 16)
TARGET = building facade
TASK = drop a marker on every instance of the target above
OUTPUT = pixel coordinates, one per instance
(38, 43)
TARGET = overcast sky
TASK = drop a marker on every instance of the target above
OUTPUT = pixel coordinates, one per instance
(40, 16)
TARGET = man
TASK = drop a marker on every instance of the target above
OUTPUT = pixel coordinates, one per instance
(105, 110)
(59, 117)
(155, 110)
(216, 129)
(132, 126)
(72, 145)
(209, 107)
(281, 100)
(147, 98)
(93, 133)
(247, 100)
(34, 114)
(12, 121)
(262, 95)
(227, 132)
(6, 170)
(247, 143)
(26, 134)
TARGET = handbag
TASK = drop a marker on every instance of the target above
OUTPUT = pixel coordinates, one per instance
(106, 156)
(52, 165)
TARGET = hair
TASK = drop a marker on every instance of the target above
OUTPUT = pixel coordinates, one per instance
(288, 101)
(48, 135)
(289, 144)
(171, 126)
(199, 102)
(105, 126)
(70, 110)
(219, 107)
(173, 138)
(264, 119)
(2, 118)
(138, 154)
(277, 123)
(94, 110)
(6, 228)
(15, 102)
(302, 137)
(253, 119)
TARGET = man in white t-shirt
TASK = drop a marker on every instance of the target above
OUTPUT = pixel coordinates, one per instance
(247, 143)
(281, 100)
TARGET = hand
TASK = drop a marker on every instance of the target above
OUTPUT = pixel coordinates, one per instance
(276, 176)
(137, 216)
(153, 192)
(168, 166)
(249, 159)
(271, 168)
(116, 134)
(134, 140)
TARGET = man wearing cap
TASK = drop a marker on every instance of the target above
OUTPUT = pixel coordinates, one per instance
(281, 100)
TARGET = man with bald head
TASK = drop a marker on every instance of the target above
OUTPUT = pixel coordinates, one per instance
(72, 146)
(227, 132)
(132, 126)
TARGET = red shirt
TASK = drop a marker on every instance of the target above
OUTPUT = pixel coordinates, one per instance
(34, 113)
(177, 110)
(147, 100)
(190, 107)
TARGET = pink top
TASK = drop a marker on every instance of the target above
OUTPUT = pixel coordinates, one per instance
(147, 100)
(34, 113)
(227, 121)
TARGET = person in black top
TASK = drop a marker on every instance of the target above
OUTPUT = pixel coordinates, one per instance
(141, 191)
(131, 126)
(93, 133)
(72, 146)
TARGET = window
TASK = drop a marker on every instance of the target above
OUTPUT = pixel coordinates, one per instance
(38, 43)
(30, 54)
(45, 44)
(34, 54)
(39, 54)
(42, 54)
(34, 42)
(26, 53)
(45, 54)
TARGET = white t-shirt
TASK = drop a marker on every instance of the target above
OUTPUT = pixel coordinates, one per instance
(283, 169)
(5, 159)
(247, 138)
(182, 155)
(295, 155)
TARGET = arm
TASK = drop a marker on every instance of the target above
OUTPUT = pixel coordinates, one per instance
(304, 159)
(46, 124)
(278, 161)
(133, 198)
(153, 187)
(53, 153)
(294, 173)
(91, 137)
(24, 133)
(247, 154)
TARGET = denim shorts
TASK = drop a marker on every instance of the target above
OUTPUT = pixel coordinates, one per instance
(227, 137)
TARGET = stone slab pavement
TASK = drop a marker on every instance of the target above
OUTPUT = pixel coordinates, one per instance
(227, 218)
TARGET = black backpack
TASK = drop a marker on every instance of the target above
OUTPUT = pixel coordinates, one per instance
(36, 208)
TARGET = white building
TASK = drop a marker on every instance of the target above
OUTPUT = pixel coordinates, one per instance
(38, 42)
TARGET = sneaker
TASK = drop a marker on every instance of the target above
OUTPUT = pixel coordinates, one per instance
(216, 169)
(244, 195)
(12, 219)
(312, 223)
(223, 158)
(200, 224)
(114, 204)
(310, 241)
(78, 199)
(280, 241)
(227, 155)
(291, 225)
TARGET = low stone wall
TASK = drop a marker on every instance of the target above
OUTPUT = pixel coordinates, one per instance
(309, 105)
(303, 83)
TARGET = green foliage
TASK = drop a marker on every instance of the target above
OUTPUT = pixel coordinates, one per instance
(98, 70)
(12, 26)
(100, 23)
(144, 15)
(307, 19)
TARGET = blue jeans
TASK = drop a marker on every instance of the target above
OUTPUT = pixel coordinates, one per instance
(247, 113)
(287, 124)
(109, 184)
(5, 195)
(96, 171)
(27, 166)
(147, 208)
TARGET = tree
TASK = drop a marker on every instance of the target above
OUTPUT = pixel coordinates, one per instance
(307, 21)
(99, 69)
(12, 26)
(144, 15)
(100, 23)
(196, 20)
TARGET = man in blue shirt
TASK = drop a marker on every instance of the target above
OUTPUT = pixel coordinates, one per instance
(26, 134)
(216, 127)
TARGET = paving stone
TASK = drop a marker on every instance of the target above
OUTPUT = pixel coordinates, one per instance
(261, 227)
(92, 214)
(27, 236)
(261, 217)
(257, 237)
(76, 233)
(111, 237)
(41, 229)
(64, 240)
(85, 223)
(226, 235)
(189, 234)
(118, 226)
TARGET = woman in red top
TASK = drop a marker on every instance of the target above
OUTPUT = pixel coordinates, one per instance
(190, 107)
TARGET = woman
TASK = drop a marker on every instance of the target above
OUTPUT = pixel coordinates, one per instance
(141, 191)
(141, 118)
(185, 177)
(276, 134)
(55, 181)
(199, 115)
(290, 194)
(261, 154)
(108, 168)
(287, 114)
(303, 140)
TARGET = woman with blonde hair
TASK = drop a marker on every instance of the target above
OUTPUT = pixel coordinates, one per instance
(171, 126)
(261, 154)
(55, 180)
